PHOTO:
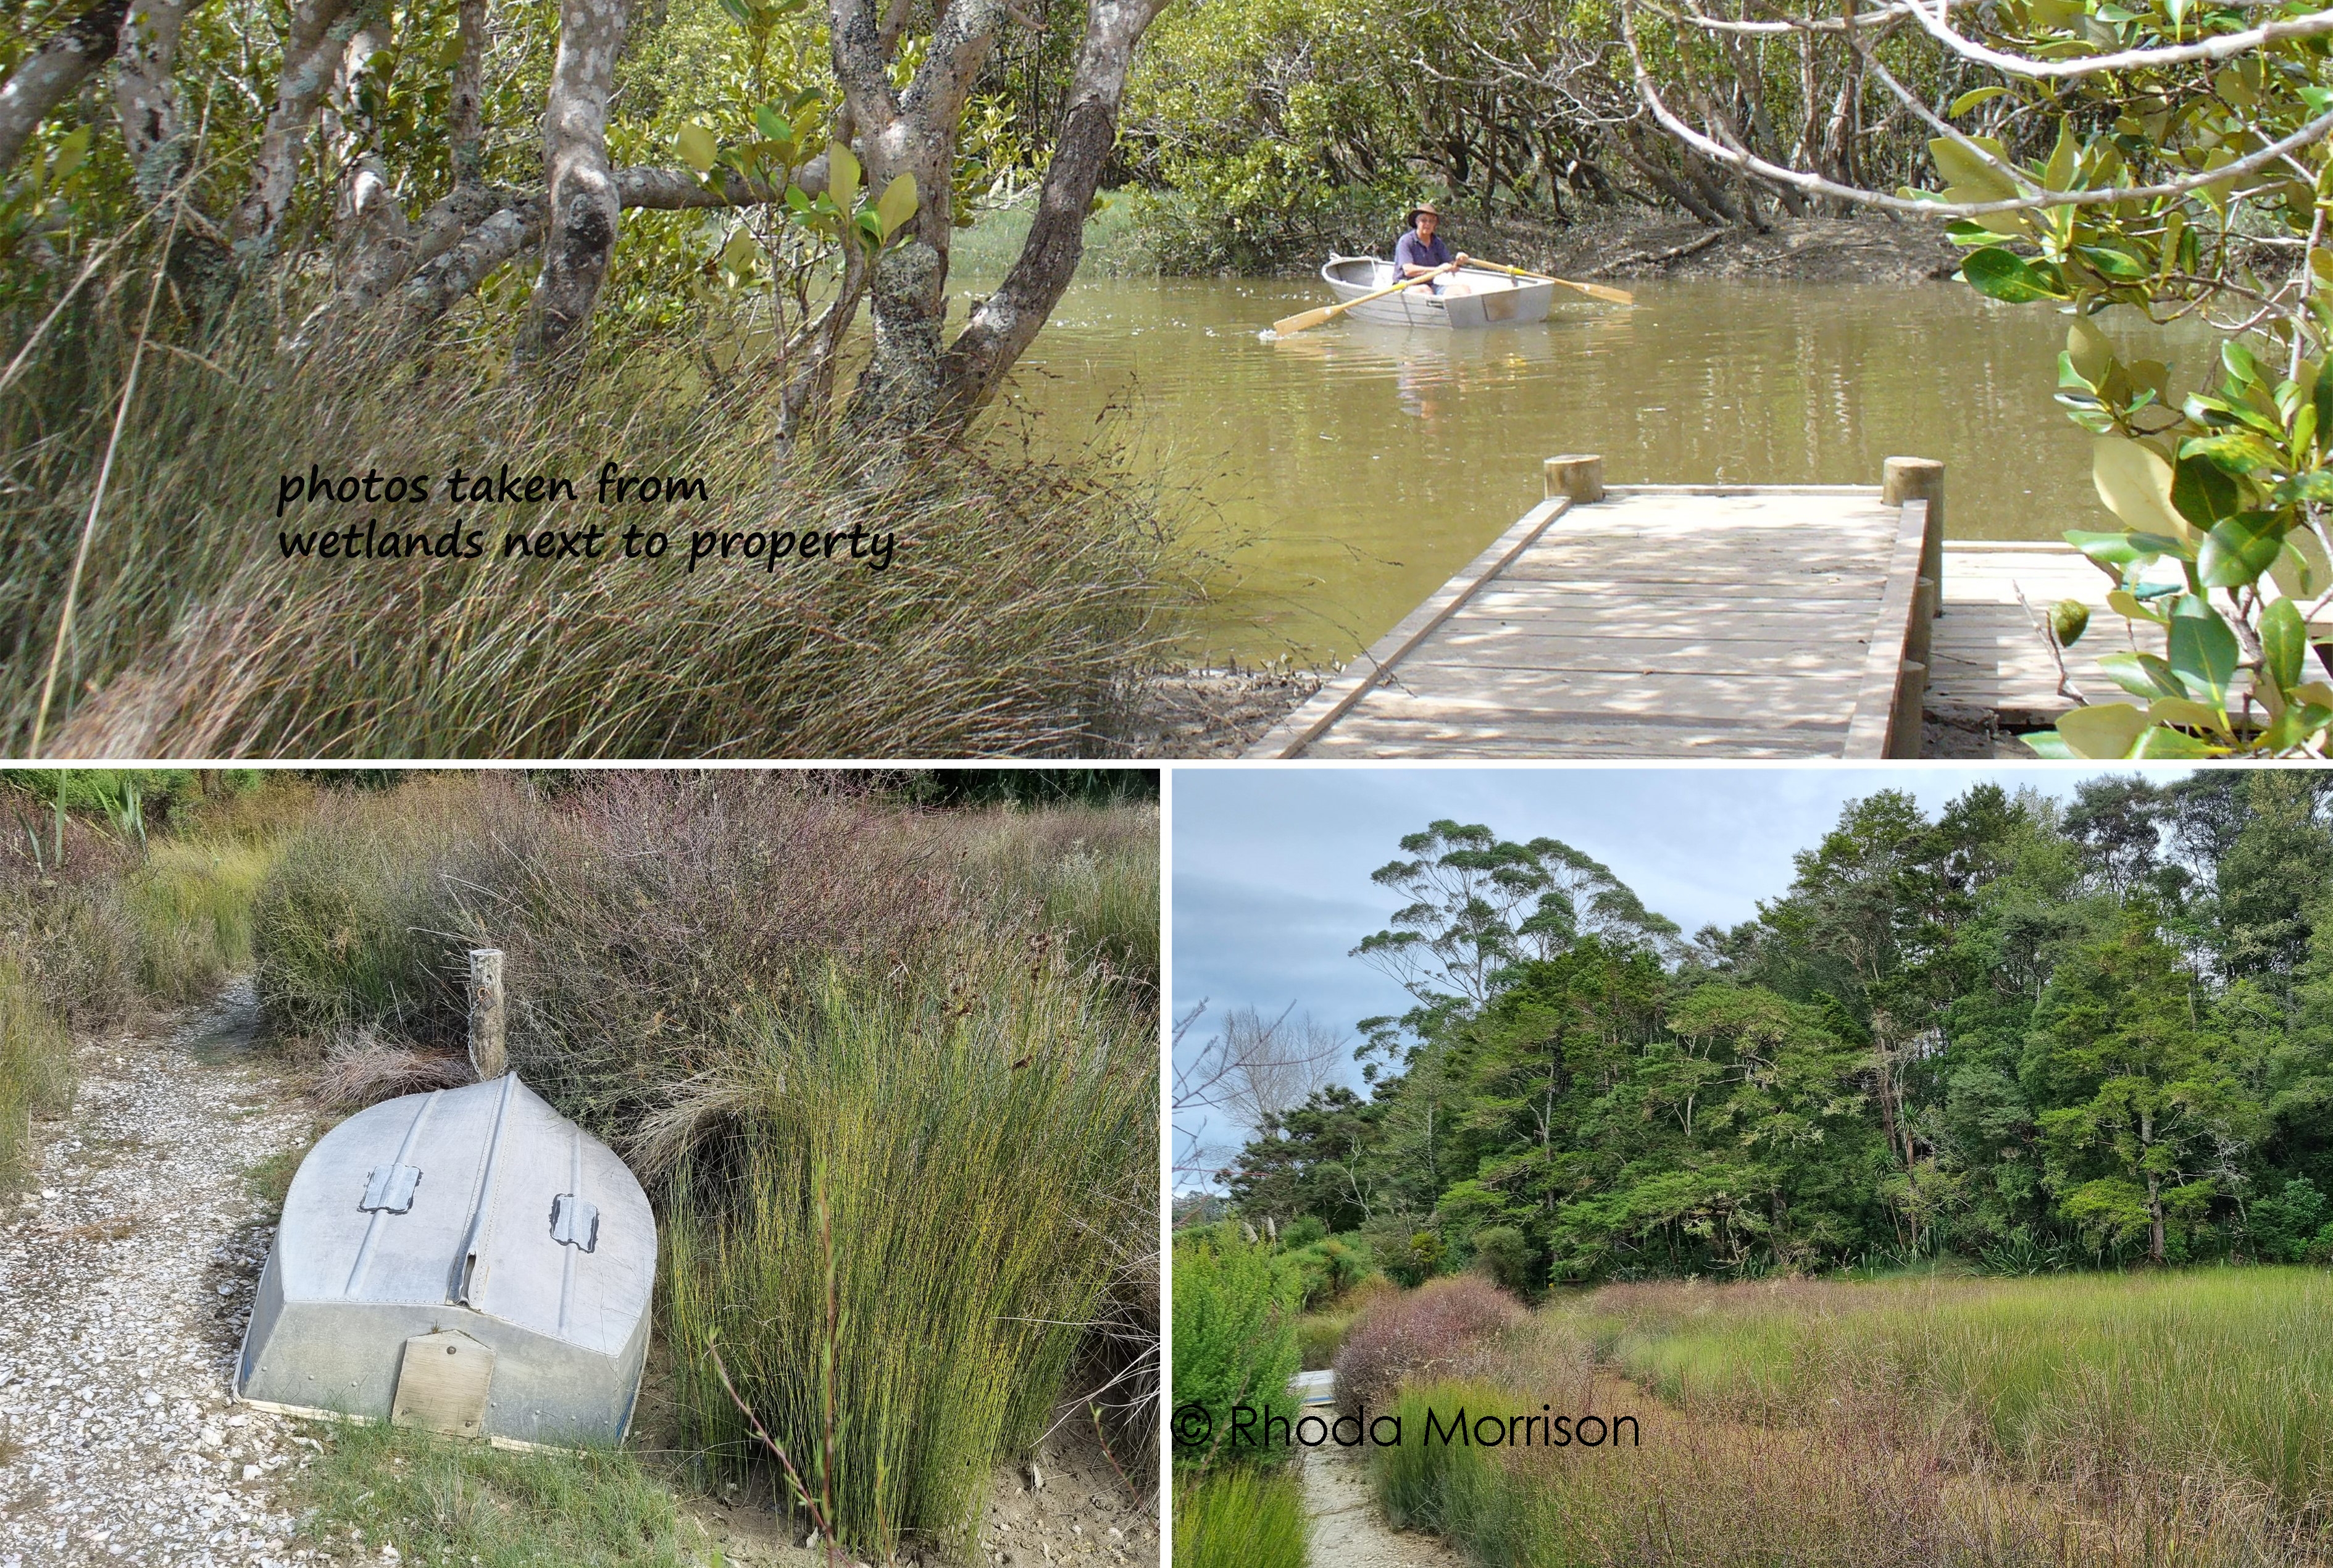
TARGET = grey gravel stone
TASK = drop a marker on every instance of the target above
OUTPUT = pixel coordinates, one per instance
(123, 1292)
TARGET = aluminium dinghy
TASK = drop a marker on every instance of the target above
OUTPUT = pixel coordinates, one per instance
(468, 1260)
(1470, 297)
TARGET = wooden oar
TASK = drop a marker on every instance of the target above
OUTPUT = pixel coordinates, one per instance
(1593, 290)
(1304, 320)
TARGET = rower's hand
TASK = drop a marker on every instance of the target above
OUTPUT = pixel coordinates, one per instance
(1463, 259)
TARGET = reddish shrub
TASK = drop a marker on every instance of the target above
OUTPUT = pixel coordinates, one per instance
(1426, 1329)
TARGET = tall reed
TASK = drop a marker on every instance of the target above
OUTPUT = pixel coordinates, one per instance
(979, 1134)
(1016, 598)
(1241, 1517)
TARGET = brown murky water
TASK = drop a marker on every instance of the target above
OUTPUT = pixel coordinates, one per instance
(1345, 473)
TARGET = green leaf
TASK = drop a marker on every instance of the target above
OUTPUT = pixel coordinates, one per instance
(2049, 743)
(2284, 644)
(1974, 96)
(2004, 275)
(2316, 484)
(2128, 548)
(2203, 652)
(2102, 730)
(2239, 361)
(2131, 607)
(2239, 549)
(841, 176)
(2295, 724)
(2186, 711)
(2159, 744)
(1964, 169)
(2088, 351)
(2141, 674)
(771, 124)
(2118, 266)
(2203, 493)
(2058, 173)
(2134, 481)
(697, 148)
(69, 154)
(2322, 393)
(2236, 451)
(897, 205)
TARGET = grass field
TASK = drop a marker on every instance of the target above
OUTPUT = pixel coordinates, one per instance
(2106, 1419)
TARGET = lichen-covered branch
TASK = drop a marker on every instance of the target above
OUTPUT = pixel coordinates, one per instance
(53, 73)
(146, 94)
(1004, 324)
(320, 30)
(584, 205)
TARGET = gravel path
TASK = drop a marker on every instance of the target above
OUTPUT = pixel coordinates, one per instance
(125, 1278)
(1348, 1531)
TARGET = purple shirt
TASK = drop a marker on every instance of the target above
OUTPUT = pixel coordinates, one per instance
(1411, 251)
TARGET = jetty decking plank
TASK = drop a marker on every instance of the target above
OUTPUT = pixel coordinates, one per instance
(1989, 650)
(1651, 621)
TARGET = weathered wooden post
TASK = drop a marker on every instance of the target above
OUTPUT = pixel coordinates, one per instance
(486, 1013)
(1904, 480)
(1580, 475)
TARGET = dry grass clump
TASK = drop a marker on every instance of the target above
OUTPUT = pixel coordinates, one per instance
(1018, 596)
(362, 1066)
(1423, 1331)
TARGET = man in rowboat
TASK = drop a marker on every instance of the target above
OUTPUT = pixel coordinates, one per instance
(1419, 251)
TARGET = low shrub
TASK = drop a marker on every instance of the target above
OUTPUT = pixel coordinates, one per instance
(1235, 1310)
(1241, 1518)
(1422, 1331)
(354, 924)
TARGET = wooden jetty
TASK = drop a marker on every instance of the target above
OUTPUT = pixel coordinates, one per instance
(1718, 621)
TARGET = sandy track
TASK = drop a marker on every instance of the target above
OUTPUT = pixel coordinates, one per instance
(1348, 1531)
(125, 1279)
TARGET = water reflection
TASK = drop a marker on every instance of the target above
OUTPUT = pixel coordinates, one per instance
(1350, 470)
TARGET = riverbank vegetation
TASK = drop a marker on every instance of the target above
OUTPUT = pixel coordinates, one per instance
(331, 244)
(2137, 1419)
(887, 1070)
(120, 891)
(2033, 1038)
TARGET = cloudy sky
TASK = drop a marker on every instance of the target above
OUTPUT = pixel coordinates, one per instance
(1272, 866)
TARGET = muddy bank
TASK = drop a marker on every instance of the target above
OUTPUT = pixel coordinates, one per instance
(1873, 248)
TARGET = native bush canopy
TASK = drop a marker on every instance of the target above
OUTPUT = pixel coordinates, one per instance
(2030, 1035)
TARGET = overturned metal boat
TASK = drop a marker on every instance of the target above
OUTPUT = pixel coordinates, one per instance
(1470, 297)
(469, 1261)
